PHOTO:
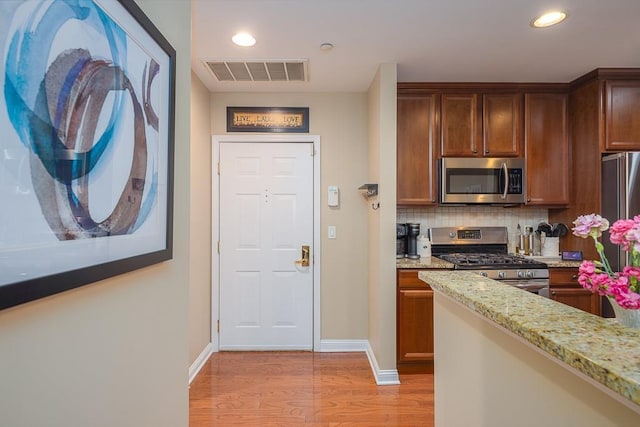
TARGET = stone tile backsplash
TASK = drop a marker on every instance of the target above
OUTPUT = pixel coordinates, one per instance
(474, 216)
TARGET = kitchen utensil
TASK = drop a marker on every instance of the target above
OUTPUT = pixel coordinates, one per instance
(559, 230)
(562, 230)
(545, 228)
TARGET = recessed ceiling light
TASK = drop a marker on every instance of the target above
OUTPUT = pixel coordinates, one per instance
(549, 19)
(326, 46)
(244, 39)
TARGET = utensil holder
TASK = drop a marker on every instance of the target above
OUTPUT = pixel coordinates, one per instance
(551, 246)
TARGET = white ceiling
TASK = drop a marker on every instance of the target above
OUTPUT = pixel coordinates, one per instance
(436, 41)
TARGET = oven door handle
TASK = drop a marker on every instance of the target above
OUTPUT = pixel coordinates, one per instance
(505, 171)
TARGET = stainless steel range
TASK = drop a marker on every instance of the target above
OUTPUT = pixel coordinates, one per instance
(484, 250)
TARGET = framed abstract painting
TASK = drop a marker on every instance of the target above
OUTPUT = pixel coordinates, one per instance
(86, 144)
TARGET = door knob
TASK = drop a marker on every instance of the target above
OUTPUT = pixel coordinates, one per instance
(305, 257)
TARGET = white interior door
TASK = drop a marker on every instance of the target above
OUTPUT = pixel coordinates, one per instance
(266, 216)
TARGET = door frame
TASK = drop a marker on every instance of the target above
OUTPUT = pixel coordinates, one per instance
(215, 224)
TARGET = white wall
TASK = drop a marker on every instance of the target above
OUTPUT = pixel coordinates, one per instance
(341, 121)
(488, 377)
(381, 222)
(200, 221)
(113, 353)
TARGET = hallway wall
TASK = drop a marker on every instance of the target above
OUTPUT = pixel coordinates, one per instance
(341, 121)
(113, 353)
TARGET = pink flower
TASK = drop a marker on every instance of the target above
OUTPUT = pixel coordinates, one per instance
(598, 277)
(590, 225)
(630, 271)
(633, 237)
(587, 268)
(591, 278)
(625, 297)
(619, 230)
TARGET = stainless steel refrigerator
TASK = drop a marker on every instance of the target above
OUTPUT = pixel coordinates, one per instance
(620, 199)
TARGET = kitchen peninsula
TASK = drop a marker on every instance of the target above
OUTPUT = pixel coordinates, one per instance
(506, 357)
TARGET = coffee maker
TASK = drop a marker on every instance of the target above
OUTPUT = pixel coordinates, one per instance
(401, 240)
(413, 231)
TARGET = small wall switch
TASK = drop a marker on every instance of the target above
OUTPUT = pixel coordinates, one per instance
(333, 196)
(331, 231)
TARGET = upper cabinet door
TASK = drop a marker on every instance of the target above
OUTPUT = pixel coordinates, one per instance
(461, 125)
(502, 125)
(547, 149)
(622, 115)
(417, 132)
(475, 125)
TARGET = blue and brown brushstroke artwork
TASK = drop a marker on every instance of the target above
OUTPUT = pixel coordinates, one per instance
(68, 104)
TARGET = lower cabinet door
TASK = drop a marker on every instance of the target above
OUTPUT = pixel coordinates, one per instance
(415, 326)
(578, 298)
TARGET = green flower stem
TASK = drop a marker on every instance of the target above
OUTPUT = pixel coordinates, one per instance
(634, 259)
(603, 258)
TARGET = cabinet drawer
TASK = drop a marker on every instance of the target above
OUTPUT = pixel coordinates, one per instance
(408, 278)
(563, 276)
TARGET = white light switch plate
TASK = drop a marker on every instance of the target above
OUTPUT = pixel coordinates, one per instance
(331, 231)
(333, 196)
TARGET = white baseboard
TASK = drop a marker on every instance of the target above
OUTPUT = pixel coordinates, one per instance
(199, 362)
(383, 377)
(340, 346)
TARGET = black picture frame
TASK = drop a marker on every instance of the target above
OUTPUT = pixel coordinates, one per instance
(268, 119)
(135, 116)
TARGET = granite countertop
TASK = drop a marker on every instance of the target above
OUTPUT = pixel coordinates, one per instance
(558, 264)
(601, 349)
(431, 262)
(435, 263)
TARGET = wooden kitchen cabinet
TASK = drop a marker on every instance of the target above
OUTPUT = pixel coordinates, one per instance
(481, 125)
(546, 126)
(502, 125)
(604, 116)
(622, 115)
(461, 125)
(564, 288)
(417, 133)
(414, 323)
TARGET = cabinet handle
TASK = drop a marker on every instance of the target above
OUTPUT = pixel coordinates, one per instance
(474, 151)
(486, 151)
(554, 293)
(574, 277)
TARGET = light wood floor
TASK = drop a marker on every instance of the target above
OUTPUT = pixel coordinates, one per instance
(304, 389)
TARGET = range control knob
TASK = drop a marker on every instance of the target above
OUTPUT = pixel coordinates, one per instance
(529, 274)
(483, 274)
(520, 274)
(501, 275)
(452, 235)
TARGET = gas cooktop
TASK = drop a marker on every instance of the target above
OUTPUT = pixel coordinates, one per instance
(478, 248)
(474, 260)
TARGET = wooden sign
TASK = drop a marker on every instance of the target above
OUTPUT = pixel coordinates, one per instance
(268, 119)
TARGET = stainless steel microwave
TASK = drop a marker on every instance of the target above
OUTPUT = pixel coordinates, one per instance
(480, 180)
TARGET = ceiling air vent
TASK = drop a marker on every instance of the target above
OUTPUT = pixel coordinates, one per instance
(259, 71)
